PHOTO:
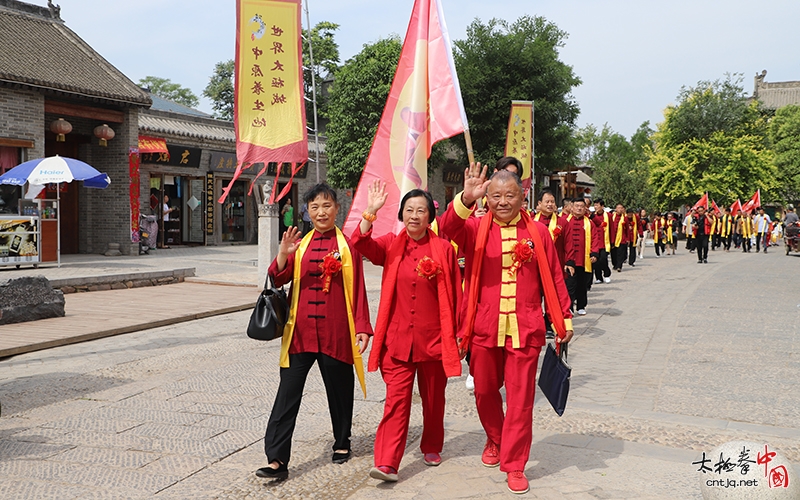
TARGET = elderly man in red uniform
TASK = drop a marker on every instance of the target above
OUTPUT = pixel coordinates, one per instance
(582, 242)
(328, 324)
(502, 320)
(602, 273)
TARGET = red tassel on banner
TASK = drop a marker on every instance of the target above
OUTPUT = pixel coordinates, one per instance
(227, 189)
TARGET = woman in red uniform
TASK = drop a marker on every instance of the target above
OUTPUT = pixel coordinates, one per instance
(415, 329)
(328, 324)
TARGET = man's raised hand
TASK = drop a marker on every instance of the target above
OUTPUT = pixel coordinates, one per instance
(475, 184)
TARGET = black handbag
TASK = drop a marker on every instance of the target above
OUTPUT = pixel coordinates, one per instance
(554, 378)
(270, 314)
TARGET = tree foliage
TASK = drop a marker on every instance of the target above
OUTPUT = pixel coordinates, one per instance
(357, 99)
(784, 134)
(620, 168)
(220, 90)
(712, 141)
(499, 62)
(164, 88)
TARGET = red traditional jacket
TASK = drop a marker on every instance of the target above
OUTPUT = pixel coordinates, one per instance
(615, 229)
(528, 299)
(555, 225)
(322, 317)
(417, 313)
(575, 241)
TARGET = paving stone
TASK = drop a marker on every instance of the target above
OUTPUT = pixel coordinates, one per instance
(108, 457)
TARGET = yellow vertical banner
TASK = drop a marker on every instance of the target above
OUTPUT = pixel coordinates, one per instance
(519, 139)
(269, 109)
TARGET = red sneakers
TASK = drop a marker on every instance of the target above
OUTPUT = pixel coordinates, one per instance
(384, 473)
(432, 459)
(517, 482)
(491, 454)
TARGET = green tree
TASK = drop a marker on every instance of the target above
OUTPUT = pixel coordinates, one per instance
(220, 90)
(163, 87)
(499, 62)
(356, 103)
(712, 141)
(784, 134)
(620, 168)
(326, 62)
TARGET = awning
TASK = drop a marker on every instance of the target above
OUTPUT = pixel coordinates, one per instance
(152, 145)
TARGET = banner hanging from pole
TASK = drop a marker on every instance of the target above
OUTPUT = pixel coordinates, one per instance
(424, 106)
(269, 111)
(519, 139)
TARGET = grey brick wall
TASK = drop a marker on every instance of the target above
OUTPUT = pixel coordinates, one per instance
(21, 114)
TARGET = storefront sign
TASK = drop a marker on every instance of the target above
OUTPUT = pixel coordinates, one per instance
(453, 176)
(178, 156)
(286, 170)
(209, 203)
(18, 239)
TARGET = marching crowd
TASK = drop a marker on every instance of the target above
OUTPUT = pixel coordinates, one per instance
(487, 280)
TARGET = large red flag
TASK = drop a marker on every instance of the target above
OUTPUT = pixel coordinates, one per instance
(703, 202)
(753, 203)
(736, 207)
(714, 206)
(424, 107)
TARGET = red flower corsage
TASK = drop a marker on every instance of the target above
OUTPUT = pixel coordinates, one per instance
(605, 224)
(428, 268)
(331, 265)
(556, 231)
(522, 252)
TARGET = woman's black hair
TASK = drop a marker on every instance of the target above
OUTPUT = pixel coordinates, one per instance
(415, 193)
(321, 189)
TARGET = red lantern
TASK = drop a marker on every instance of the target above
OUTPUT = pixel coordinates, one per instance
(61, 128)
(104, 133)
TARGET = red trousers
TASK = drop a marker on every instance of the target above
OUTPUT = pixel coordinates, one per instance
(390, 439)
(512, 432)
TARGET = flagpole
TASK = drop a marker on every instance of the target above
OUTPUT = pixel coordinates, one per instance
(470, 152)
(313, 90)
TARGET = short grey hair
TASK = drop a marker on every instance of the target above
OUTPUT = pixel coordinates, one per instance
(506, 176)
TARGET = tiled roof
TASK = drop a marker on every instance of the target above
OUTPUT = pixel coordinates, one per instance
(42, 52)
(779, 96)
(161, 104)
(152, 123)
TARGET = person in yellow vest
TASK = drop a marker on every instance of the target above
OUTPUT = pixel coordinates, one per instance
(726, 229)
(328, 324)
(602, 273)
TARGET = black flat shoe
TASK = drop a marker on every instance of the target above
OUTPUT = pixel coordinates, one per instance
(340, 458)
(281, 472)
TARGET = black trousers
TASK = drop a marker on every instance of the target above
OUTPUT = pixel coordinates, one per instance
(760, 239)
(661, 248)
(578, 285)
(715, 241)
(746, 244)
(690, 243)
(701, 243)
(631, 254)
(339, 383)
(618, 256)
(601, 268)
(726, 242)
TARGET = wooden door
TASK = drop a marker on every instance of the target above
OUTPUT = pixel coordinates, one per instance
(69, 193)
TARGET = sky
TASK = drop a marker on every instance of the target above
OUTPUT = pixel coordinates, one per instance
(633, 57)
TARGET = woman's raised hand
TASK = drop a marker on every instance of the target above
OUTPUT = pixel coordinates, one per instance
(290, 241)
(376, 196)
(475, 184)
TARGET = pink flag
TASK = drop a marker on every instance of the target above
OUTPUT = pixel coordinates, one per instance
(424, 107)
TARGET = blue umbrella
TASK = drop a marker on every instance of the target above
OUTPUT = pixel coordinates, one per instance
(55, 169)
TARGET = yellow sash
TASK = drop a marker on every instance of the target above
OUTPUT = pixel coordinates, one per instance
(553, 223)
(657, 226)
(347, 277)
(726, 226)
(669, 232)
(607, 231)
(587, 259)
(747, 227)
(618, 239)
(635, 230)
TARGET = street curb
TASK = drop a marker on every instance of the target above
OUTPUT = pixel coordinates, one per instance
(119, 331)
(115, 278)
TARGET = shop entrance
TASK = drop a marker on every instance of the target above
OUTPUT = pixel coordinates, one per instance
(69, 191)
(178, 203)
(234, 213)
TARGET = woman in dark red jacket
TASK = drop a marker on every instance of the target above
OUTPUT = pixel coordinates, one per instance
(416, 326)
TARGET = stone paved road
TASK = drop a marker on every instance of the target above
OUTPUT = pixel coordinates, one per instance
(672, 359)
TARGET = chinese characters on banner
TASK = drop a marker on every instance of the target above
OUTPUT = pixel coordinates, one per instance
(519, 140)
(269, 110)
(133, 173)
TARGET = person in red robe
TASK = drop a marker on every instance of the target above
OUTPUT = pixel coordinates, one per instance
(582, 241)
(328, 324)
(415, 333)
(506, 256)
(547, 215)
(619, 237)
(602, 272)
(633, 231)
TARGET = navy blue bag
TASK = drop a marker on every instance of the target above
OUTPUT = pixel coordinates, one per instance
(554, 378)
